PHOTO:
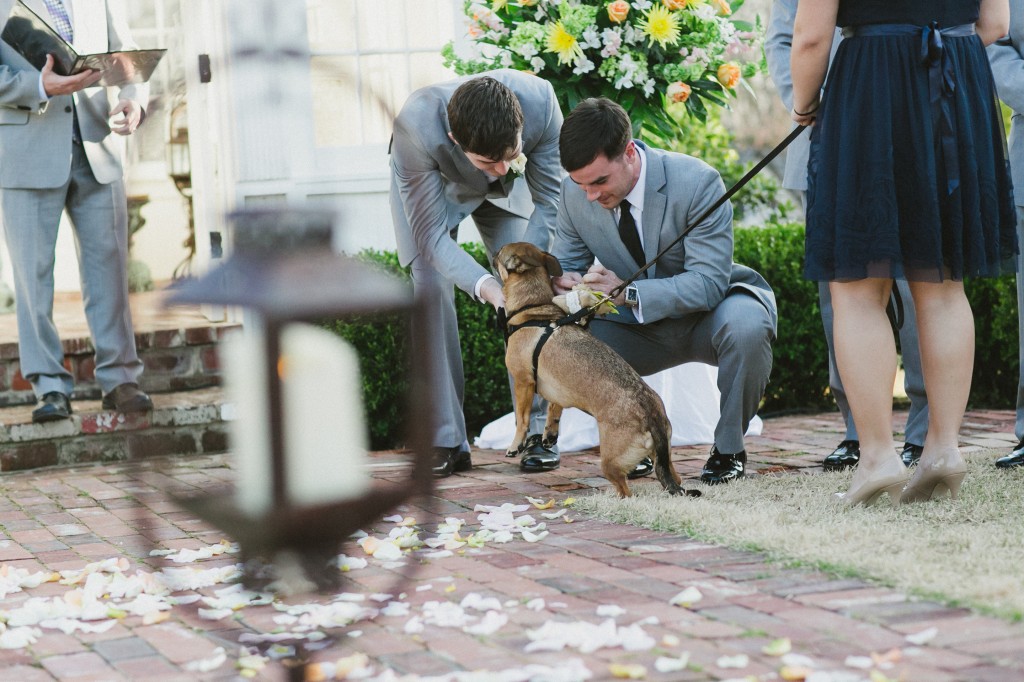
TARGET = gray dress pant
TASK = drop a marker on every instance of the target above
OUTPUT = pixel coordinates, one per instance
(736, 337)
(99, 216)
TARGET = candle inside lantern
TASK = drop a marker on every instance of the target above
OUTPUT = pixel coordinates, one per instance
(324, 426)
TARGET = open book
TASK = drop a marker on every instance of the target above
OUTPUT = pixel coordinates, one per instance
(33, 39)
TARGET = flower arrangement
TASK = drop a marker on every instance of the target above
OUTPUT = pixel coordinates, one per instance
(659, 59)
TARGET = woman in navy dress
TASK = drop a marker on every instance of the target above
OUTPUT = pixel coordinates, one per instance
(908, 178)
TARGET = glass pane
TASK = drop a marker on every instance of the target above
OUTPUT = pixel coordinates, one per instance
(332, 25)
(336, 111)
(381, 24)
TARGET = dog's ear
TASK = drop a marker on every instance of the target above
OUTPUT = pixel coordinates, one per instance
(552, 265)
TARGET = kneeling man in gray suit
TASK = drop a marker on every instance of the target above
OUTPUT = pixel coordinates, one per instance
(622, 203)
(487, 147)
(57, 153)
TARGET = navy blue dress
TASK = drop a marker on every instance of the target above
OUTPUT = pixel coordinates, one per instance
(908, 175)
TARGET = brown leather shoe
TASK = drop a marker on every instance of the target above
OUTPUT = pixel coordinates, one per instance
(127, 398)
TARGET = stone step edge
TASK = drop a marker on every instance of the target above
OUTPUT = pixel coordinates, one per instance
(188, 422)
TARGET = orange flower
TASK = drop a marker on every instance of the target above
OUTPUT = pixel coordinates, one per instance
(675, 4)
(618, 10)
(678, 92)
(729, 75)
(723, 7)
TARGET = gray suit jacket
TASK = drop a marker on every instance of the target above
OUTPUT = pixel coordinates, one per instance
(777, 46)
(35, 136)
(437, 186)
(1006, 56)
(696, 274)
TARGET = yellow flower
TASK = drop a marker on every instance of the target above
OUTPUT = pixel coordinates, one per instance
(678, 92)
(527, 3)
(729, 75)
(723, 7)
(498, 5)
(660, 25)
(564, 44)
(617, 11)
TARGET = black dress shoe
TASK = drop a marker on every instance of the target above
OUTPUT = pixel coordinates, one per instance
(722, 468)
(53, 406)
(911, 454)
(644, 468)
(127, 397)
(1014, 459)
(847, 454)
(537, 457)
(444, 462)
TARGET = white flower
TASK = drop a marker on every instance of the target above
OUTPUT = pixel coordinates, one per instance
(518, 165)
(591, 38)
(641, 5)
(612, 38)
(583, 66)
(537, 64)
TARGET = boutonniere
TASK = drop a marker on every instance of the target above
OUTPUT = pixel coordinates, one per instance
(516, 167)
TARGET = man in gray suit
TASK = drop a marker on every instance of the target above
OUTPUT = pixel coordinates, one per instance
(622, 203)
(57, 153)
(777, 48)
(1007, 59)
(486, 147)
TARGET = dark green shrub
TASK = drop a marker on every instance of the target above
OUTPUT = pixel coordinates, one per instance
(381, 342)
(799, 377)
(996, 355)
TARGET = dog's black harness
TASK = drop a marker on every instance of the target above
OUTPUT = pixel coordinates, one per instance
(551, 326)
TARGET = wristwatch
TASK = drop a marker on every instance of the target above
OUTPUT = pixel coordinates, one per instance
(632, 297)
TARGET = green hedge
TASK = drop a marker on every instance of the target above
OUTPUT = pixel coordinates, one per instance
(799, 378)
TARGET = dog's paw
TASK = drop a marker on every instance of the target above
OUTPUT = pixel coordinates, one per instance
(512, 452)
(549, 441)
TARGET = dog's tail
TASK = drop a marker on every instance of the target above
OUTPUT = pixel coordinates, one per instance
(659, 430)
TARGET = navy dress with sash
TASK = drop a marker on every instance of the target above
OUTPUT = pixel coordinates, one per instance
(908, 175)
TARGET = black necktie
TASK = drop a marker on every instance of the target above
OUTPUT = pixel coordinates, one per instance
(628, 234)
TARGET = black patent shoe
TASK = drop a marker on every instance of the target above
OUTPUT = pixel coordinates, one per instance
(722, 468)
(537, 457)
(1014, 459)
(444, 462)
(53, 406)
(644, 468)
(846, 455)
(911, 454)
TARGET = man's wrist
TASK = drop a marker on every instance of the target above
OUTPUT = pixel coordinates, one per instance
(478, 288)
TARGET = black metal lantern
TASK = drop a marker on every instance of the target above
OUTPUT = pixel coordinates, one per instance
(282, 270)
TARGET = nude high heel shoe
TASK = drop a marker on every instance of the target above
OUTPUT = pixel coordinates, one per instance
(891, 481)
(937, 473)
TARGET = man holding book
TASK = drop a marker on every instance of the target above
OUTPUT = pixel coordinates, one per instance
(57, 153)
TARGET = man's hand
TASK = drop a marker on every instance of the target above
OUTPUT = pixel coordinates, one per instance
(54, 84)
(600, 278)
(131, 116)
(566, 282)
(492, 292)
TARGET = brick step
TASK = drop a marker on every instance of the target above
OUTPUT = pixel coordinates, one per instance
(182, 422)
(176, 359)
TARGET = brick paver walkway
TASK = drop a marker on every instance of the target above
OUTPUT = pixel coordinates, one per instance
(615, 582)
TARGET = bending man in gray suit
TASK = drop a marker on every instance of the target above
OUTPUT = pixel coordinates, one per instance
(621, 204)
(57, 153)
(458, 150)
(1007, 59)
(777, 48)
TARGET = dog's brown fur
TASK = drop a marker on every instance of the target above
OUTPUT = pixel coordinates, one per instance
(577, 370)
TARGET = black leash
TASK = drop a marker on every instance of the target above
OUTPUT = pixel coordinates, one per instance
(758, 167)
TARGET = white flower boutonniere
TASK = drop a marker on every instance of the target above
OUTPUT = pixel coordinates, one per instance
(517, 166)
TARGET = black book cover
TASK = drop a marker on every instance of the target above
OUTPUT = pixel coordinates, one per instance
(33, 39)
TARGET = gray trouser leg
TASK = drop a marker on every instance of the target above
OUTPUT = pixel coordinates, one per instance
(446, 376)
(913, 374)
(835, 383)
(736, 337)
(1019, 428)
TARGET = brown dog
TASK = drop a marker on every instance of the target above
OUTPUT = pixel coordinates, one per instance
(574, 369)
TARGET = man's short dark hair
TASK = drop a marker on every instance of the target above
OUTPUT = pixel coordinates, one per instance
(485, 118)
(596, 126)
